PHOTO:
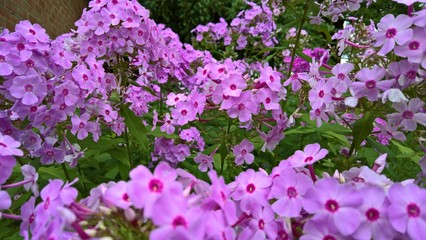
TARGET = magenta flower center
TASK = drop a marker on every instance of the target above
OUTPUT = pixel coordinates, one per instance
(31, 219)
(233, 87)
(329, 237)
(250, 188)
(370, 84)
(28, 88)
(317, 112)
(267, 100)
(65, 92)
(291, 192)
(282, 235)
(243, 152)
(20, 46)
(156, 185)
(30, 63)
(107, 112)
(331, 206)
(413, 210)
(241, 106)
(125, 197)
(33, 108)
(220, 70)
(411, 74)
(261, 224)
(32, 32)
(2, 58)
(184, 112)
(414, 45)
(32, 139)
(176, 99)
(85, 77)
(179, 221)
(407, 114)
(100, 24)
(341, 76)
(90, 49)
(308, 159)
(129, 20)
(372, 214)
(81, 125)
(50, 153)
(391, 32)
(321, 94)
(333, 91)
(271, 78)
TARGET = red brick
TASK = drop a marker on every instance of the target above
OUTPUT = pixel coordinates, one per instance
(55, 16)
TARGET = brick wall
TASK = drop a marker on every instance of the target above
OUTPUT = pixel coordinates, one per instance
(56, 16)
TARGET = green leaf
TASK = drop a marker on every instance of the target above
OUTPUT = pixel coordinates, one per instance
(111, 174)
(406, 152)
(362, 128)
(158, 133)
(337, 136)
(119, 154)
(381, 148)
(223, 151)
(299, 130)
(137, 130)
(51, 172)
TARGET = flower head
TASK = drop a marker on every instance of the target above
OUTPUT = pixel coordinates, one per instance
(310, 154)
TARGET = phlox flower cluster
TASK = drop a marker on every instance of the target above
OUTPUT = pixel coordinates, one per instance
(360, 203)
(257, 21)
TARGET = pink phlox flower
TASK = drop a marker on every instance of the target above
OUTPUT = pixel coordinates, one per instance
(408, 115)
(335, 205)
(205, 162)
(310, 154)
(251, 189)
(370, 83)
(391, 30)
(242, 152)
(9, 146)
(243, 107)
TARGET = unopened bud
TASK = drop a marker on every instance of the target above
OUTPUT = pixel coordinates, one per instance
(130, 214)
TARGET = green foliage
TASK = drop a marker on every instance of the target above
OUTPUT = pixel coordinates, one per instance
(183, 16)
(362, 128)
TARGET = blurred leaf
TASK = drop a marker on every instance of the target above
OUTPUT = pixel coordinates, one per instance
(362, 128)
(137, 130)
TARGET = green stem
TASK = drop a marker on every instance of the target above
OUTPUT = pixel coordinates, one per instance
(229, 125)
(222, 164)
(84, 185)
(126, 135)
(299, 31)
(19, 161)
(67, 175)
